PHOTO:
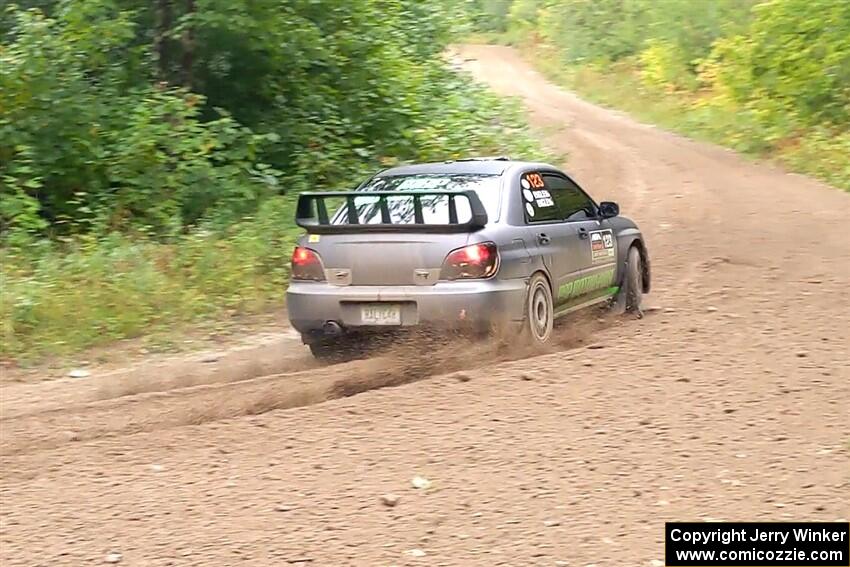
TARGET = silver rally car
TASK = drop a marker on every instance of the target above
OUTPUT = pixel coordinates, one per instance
(477, 244)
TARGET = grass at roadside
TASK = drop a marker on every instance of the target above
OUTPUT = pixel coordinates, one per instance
(819, 152)
(59, 298)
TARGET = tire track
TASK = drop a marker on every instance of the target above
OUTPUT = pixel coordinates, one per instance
(196, 404)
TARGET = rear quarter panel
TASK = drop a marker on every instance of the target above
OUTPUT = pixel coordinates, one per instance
(515, 259)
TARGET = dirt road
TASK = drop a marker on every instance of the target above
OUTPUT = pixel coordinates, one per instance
(728, 402)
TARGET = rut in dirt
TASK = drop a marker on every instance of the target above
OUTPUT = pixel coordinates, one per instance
(417, 358)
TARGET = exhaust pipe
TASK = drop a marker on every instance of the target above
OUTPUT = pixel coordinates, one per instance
(331, 329)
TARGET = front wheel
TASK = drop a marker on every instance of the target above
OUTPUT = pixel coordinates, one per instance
(631, 288)
(539, 310)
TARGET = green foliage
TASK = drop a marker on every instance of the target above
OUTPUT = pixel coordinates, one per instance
(662, 65)
(523, 14)
(145, 146)
(768, 77)
(668, 36)
(58, 298)
(593, 31)
(489, 16)
(129, 114)
(82, 148)
(792, 67)
(822, 152)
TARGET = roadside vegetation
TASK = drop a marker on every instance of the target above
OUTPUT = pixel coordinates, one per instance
(770, 78)
(150, 151)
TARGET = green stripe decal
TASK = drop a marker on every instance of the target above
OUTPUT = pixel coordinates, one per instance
(587, 284)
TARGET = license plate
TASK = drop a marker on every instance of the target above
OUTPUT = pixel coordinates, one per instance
(380, 314)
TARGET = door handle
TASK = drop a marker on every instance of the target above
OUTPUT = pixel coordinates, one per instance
(543, 239)
(582, 233)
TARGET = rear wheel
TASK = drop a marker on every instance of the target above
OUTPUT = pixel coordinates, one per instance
(336, 349)
(631, 288)
(322, 351)
(539, 310)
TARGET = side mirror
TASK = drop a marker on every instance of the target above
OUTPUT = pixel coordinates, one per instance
(608, 209)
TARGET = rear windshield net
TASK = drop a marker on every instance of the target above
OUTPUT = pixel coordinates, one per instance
(435, 209)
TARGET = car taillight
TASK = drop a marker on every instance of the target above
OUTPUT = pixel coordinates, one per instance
(473, 261)
(306, 265)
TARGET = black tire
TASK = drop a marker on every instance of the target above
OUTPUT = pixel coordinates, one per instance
(331, 350)
(539, 311)
(321, 351)
(631, 288)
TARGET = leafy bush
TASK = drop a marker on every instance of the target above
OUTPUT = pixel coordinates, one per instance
(82, 149)
(768, 77)
(663, 65)
(144, 148)
(489, 16)
(792, 67)
(607, 31)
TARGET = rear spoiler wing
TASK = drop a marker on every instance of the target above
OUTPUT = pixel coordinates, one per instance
(312, 213)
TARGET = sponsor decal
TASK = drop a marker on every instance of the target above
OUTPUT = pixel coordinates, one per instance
(586, 284)
(535, 193)
(596, 241)
(602, 246)
(416, 182)
(543, 198)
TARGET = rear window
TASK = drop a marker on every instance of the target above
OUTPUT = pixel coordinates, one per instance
(435, 209)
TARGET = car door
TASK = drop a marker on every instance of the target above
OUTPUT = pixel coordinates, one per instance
(592, 246)
(553, 238)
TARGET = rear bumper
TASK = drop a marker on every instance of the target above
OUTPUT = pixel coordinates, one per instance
(475, 304)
